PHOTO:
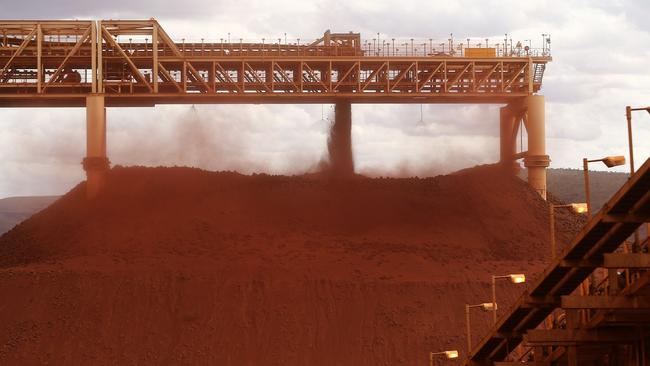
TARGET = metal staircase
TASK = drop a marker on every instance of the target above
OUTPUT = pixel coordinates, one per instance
(539, 73)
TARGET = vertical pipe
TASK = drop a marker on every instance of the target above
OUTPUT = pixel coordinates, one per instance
(630, 144)
(612, 277)
(508, 143)
(100, 51)
(628, 115)
(39, 58)
(268, 75)
(551, 211)
(530, 75)
(585, 169)
(95, 163)
(536, 160)
(300, 76)
(154, 49)
(503, 79)
(93, 57)
(329, 77)
(572, 356)
(213, 76)
(184, 76)
(494, 299)
(642, 347)
(241, 77)
(572, 322)
(469, 334)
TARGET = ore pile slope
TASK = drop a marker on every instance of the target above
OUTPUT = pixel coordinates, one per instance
(183, 266)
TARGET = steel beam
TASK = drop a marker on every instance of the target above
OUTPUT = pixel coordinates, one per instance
(612, 260)
(547, 302)
(626, 218)
(605, 302)
(335, 69)
(53, 100)
(571, 337)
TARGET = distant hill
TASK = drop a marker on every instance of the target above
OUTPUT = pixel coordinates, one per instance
(569, 185)
(14, 210)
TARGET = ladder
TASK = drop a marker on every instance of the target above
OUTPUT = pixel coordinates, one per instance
(539, 73)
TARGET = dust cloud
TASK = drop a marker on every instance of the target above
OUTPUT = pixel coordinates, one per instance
(213, 139)
(236, 139)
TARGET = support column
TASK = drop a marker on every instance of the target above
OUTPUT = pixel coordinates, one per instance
(572, 322)
(95, 163)
(340, 140)
(536, 159)
(509, 125)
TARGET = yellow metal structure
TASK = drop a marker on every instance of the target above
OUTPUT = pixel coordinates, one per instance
(121, 63)
(136, 63)
(481, 52)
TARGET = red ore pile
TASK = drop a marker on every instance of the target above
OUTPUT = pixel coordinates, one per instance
(179, 266)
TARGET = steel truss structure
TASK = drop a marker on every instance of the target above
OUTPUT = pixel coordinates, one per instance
(136, 63)
(610, 320)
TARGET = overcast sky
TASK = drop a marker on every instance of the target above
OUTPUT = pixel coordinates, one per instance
(601, 62)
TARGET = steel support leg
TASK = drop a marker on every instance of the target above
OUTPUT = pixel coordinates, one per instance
(509, 125)
(340, 143)
(536, 159)
(572, 322)
(95, 163)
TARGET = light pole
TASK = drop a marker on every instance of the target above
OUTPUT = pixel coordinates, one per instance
(575, 207)
(628, 115)
(486, 306)
(610, 161)
(514, 278)
(446, 354)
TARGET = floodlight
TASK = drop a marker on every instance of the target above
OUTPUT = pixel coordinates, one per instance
(579, 207)
(612, 161)
(451, 354)
(488, 306)
(517, 278)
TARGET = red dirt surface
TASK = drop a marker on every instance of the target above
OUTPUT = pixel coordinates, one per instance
(182, 266)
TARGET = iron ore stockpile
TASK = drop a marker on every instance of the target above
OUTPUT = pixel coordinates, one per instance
(183, 266)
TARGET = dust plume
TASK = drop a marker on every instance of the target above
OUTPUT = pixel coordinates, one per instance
(220, 139)
(340, 161)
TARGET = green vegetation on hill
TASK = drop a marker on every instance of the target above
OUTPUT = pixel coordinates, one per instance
(568, 185)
